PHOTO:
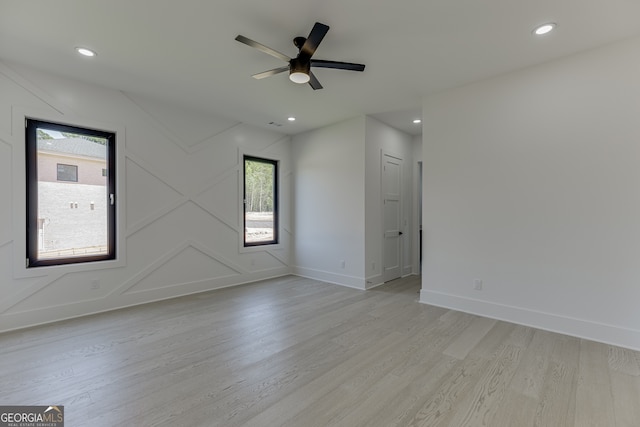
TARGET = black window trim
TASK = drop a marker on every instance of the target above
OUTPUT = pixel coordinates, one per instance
(31, 158)
(276, 202)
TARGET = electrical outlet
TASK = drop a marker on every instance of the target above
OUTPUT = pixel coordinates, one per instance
(342, 264)
(95, 284)
(373, 266)
(477, 284)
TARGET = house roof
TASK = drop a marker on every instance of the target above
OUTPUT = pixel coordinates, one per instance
(73, 146)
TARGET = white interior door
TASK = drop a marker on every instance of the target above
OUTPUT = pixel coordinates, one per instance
(392, 216)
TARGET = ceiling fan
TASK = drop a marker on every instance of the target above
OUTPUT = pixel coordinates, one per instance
(300, 67)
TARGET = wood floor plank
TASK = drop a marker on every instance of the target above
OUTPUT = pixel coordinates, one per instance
(432, 340)
(347, 403)
(479, 407)
(516, 410)
(557, 403)
(299, 352)
(441, 405)
(594, 401)
(626, 399)
(396, 410)
(623, 360)
(521, 336)
(300, 398)
(494, 340)
(557, 399)
(469, 337)
(528, 380)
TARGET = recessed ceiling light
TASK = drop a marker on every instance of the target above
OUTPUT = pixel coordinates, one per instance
(85, 52)
(416, 121)
(292, 119)
(544, 29)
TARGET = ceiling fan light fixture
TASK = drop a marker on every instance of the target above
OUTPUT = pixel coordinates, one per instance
(299, 77)
(299, 71)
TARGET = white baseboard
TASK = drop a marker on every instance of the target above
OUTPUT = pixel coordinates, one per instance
(329, 277)
(374, 281)
(579, 328)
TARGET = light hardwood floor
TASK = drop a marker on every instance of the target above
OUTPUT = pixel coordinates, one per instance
(298, 352)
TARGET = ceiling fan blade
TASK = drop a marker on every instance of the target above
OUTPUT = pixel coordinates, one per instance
(315, 37)
(271, 72)
(263, 48)
(336, 64)
(313, 82)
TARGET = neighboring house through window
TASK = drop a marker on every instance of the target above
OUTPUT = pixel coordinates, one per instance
(70, 194)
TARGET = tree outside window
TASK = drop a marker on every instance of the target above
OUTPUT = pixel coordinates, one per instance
(260, 201)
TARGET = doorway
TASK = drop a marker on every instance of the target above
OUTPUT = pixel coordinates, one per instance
(391, 173)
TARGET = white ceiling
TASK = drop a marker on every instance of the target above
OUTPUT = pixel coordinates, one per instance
(185, 52)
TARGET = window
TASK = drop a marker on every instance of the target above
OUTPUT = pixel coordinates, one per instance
(260, 201)
(67, 173)
(70, 217)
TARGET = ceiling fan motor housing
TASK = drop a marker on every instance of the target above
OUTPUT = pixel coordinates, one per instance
(299, 65)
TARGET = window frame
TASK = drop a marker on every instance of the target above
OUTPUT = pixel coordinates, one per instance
(275, 242)
(31, 195)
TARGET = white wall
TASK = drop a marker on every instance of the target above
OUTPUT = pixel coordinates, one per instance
(329, 203)
(532, 184)
(179, 202)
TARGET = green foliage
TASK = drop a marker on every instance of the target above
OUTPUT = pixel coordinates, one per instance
(259, 186)
(43, 135)
(95, 139)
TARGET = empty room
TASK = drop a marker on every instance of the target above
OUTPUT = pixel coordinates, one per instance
(320, 213)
